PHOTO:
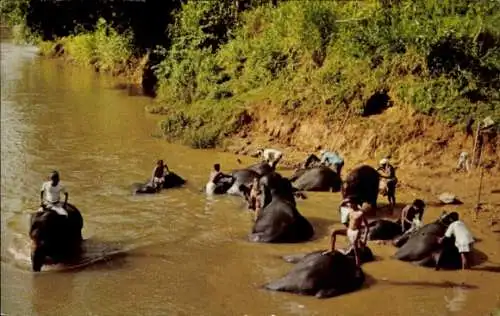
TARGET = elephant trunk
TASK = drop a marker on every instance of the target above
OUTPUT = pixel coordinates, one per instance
(37, 257)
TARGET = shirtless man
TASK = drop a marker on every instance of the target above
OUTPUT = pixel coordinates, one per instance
(357, 219)
(389, 172)
(215, 176)
(409, 212)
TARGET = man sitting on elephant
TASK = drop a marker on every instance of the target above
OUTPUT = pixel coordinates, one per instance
(409, 212)
(332, 159)
(271, 156)
(357, 220)
(159, 173)
(50, 195)
(388, 172)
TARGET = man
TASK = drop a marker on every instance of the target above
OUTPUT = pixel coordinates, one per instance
(463, 161)
(271, 156)
(255, 197)
(463, 239)
(159, 173)
(332, 159)
(357, 220)
(410, 212)
(215, 176)
(50, 195)
(388, 172)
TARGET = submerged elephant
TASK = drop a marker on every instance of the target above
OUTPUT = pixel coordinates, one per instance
(383, 229)
(279, 221)
(172, 180)
(321, 275)
(362, 185)
(422, 247)
(55, 238)
(365, 255)
(318, 178)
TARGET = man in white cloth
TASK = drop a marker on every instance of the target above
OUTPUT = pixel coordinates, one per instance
(463, 161)
(463, 239)
(50, 195)
(271, 156)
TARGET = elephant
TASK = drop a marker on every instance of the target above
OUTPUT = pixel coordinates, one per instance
(321, 275)
(422, 248)
(365, 255)
(55, 238)
(362, 185)
(383, 229)
(279, 221)
(262, 168)
(318, 178)
(172, 180)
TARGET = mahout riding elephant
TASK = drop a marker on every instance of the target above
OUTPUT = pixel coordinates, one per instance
(55, 238)
(322, 275)
(172, 180)
(279, 221)
(422, 247)
(362, 185)
(318, 178)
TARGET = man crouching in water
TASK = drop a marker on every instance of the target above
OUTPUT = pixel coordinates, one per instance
(357, 220)
(50, 195)
(159, 173)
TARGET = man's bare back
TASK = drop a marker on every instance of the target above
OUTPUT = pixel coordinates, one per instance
(355, 219)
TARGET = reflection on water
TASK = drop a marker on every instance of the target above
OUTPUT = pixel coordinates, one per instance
(457, 302)
(182, 253)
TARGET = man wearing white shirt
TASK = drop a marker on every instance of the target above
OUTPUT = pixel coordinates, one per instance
(463, 238)
(271, 156)
(50, 195)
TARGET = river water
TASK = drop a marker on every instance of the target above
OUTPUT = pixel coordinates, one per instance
(175, 253)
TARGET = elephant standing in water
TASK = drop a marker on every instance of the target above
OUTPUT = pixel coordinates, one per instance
(321, 275)
(55, 238)
(172, 180)
(422, 247)
(362, 185)
(318, 178)
(279, 220)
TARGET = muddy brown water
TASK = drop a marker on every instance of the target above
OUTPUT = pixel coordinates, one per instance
(175, 253)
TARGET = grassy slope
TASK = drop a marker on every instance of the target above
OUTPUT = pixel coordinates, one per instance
(326, 60)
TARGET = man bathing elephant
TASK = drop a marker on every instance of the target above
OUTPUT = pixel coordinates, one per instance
(356, 221)
(271, 156)
(332, 159)
(427, 247)
(218, 178)
(410, 221)
(50, 195)
(388, 173)
(463, 239)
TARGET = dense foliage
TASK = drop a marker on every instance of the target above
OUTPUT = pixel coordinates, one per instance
(438, 57)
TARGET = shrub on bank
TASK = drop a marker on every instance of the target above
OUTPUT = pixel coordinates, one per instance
(440, 58)
(104, 48)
